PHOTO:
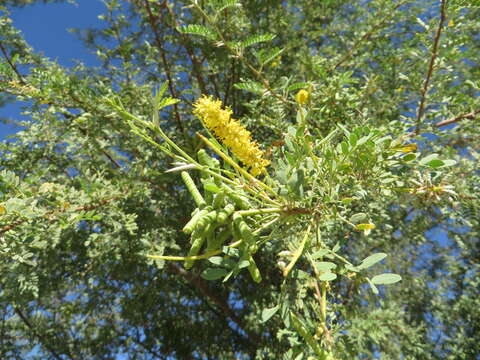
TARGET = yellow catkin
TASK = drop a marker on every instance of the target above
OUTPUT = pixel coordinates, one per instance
(231, 133)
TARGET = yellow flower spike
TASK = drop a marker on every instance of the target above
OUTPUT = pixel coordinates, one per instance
(231, 133)
(302, 97)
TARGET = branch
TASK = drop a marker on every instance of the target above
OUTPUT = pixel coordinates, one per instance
(201, 286)
(44, 341)
(196, 65)
(365, 37)
(436, 41)
(153, 23)
(12, 65)
(90, 207)
(470, 116)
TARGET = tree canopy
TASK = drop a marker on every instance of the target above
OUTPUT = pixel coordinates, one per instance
(252, 179)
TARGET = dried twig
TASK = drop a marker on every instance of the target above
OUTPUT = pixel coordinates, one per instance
(470, 116)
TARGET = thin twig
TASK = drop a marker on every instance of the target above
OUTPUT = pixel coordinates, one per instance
(436, 42)
(90, 207)
(470, 116)
(196, 65)
(238, 54)
(365, 37)
(153, 23)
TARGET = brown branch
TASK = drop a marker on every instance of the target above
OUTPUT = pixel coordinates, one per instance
(203, 288)
(436, 42)
(470, 116)
(196, 65)
(44, 341)
(12, 65)
(152, 19)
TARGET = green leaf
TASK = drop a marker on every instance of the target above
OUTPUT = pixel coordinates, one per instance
(372, 286)
(199, 30)
(297, 85)
(216, 260)
(384, 279)
(351, 268)
(336, 247)
(320, 253)
(358, 218)
(268, 313)
(213, 274)
(449, 162)
(250, 86)
(225, 4)
(243, 264)
(211, 187)
(427, 159)
(325, 265)
(371, 260)
(436, 163)
(230, 251)
(409, 157)
(328, 276)
(255, 39)
(265, 56)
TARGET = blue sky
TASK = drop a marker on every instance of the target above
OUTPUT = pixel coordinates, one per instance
(45, 28)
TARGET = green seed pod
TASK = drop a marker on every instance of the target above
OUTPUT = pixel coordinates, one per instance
(219, 200)
(254, 272)
(191, 225)
(253, 248)
(198, 238)
(225, 213)
(204, 158)
(240, 201)
(210, 186)
(243, 228)
(207, 219)
(309, 339)
(215, 242)
(197, 197)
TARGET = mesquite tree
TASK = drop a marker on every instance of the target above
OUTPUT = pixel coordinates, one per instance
(245, 179)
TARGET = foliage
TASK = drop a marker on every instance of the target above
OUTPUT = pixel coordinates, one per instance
(363, 118)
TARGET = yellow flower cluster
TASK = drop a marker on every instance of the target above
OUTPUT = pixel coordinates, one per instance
(231, 133)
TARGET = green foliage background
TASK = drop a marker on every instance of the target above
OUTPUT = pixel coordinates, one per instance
(83, 199)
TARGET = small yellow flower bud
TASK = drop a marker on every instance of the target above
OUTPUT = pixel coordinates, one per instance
(366, 228)
(302, 97)
(408, 148)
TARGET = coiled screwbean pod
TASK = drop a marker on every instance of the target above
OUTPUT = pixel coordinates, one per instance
(197, 197)
(198, 239)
